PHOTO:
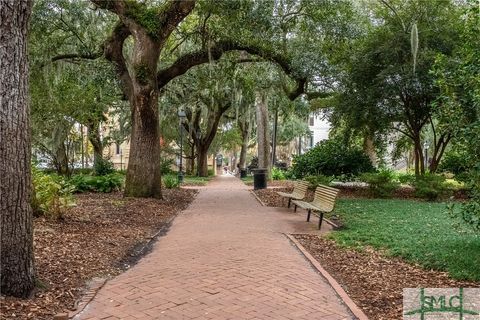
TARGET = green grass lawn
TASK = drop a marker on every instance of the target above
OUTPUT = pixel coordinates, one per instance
(196, 181)
(420, 232)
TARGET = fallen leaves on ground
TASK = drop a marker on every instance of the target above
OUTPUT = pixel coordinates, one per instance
(95, 239)
(375, 282)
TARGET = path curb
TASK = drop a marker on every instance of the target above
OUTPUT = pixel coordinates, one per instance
(92, 288)
(258, 198)
(357, 312)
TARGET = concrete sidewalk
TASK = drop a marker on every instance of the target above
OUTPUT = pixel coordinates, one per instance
(225, 257)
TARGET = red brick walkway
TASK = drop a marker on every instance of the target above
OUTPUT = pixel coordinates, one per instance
(225, 257)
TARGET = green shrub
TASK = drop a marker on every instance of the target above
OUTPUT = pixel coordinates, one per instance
(83, 171)
(381, 184)
(107, 183)
(406, 178)
(166, 166)
(53, 195)
(278, 174)
(289, 175)
(332, 158)
(170, 181)
(317, 180)
(210, 172)
(102, 167)
(470, 210)
(453, 162)
(430, 186)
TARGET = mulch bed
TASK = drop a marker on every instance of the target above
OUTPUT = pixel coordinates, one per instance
(275, 184)
(100, 237)
(374, 281)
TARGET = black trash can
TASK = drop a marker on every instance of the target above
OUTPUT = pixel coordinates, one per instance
(243, 173)
(259, 179)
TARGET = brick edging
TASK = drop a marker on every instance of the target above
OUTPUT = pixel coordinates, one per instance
(357, 312)
(256, 197)
(93, 287)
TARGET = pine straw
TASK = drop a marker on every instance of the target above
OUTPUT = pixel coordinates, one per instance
(373, 280)
(97, 238)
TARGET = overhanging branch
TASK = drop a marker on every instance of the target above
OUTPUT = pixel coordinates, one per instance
(215, 52)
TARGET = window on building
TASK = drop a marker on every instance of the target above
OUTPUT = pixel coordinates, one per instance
(117, 148)
(311, 121)
(311, 139)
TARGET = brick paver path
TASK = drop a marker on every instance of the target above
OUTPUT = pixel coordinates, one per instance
(225, 257)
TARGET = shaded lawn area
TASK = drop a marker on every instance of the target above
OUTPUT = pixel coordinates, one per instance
(420, 232)
(196, 181)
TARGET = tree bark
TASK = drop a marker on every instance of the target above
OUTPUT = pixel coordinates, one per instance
(243, 154)
(95, 140)
(16, 228)
(369, 148)
(144, 173)
(263, 144)
(419, 159)
(202, 162)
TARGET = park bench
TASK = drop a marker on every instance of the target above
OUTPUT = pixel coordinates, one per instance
(299, 192)
(323, 201)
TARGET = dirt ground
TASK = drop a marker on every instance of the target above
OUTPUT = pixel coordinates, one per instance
(100, 237)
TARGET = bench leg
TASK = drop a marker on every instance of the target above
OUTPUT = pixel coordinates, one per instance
(320, 221)
(295, 210)
(289, 200)
(308, 215)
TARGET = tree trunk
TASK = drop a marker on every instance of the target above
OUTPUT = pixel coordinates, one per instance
(233, 166)
(192, 157)
(202, 162)
(419, 159)
(369, 148)
(262, 131)
(143, 172)
(59, 149)
(16, 228)
(243, 154)
(95, 140)
(438, 151)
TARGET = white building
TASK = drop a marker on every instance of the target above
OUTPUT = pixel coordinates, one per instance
(319, 129)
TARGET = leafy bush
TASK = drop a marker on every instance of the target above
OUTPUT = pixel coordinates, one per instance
(470, 210)
(332, 158)
(83, 171)
(317, 180)
(166, 166)
(406, 178)
(107, 183)
(453, 162)
(170, 181)
(53, 195)
(289, 175)
(278, 174)
(210, 172)
(102, 167)
(381, 184)
(430, 186)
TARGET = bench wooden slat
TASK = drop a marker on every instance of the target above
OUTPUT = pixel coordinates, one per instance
(299, 192)
(323, 201)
